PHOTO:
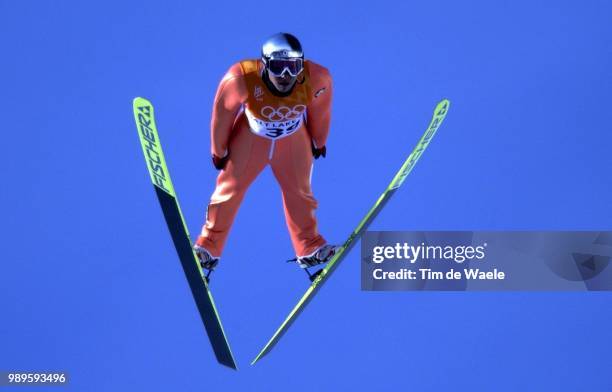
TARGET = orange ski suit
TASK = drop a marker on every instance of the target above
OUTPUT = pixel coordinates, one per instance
(257, 128)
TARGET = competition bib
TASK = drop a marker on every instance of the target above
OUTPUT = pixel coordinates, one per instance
(270, 116)
(279, 122)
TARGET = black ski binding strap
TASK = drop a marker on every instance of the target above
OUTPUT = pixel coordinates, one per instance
(313, 276)
(207, 276)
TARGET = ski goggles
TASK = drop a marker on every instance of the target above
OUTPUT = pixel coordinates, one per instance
(277, 67)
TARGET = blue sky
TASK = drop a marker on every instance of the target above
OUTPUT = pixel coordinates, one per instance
(89, 280)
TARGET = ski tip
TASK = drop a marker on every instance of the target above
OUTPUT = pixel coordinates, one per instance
(442, 108)
(445, 102)
(140, 101)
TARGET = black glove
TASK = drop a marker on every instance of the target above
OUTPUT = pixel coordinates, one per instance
(220, 163)
(318, 152)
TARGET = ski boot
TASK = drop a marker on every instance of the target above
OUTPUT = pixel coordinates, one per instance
(207, 261)
(320, 256)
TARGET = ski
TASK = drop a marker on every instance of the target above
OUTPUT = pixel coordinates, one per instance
(156, 163)
(321, 276)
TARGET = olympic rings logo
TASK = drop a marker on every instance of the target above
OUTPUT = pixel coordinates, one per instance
(283, 112)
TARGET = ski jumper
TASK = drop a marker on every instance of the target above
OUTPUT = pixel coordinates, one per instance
(257, 128)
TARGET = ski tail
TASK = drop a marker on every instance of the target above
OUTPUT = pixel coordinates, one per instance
(164, 189)
(399, 178)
